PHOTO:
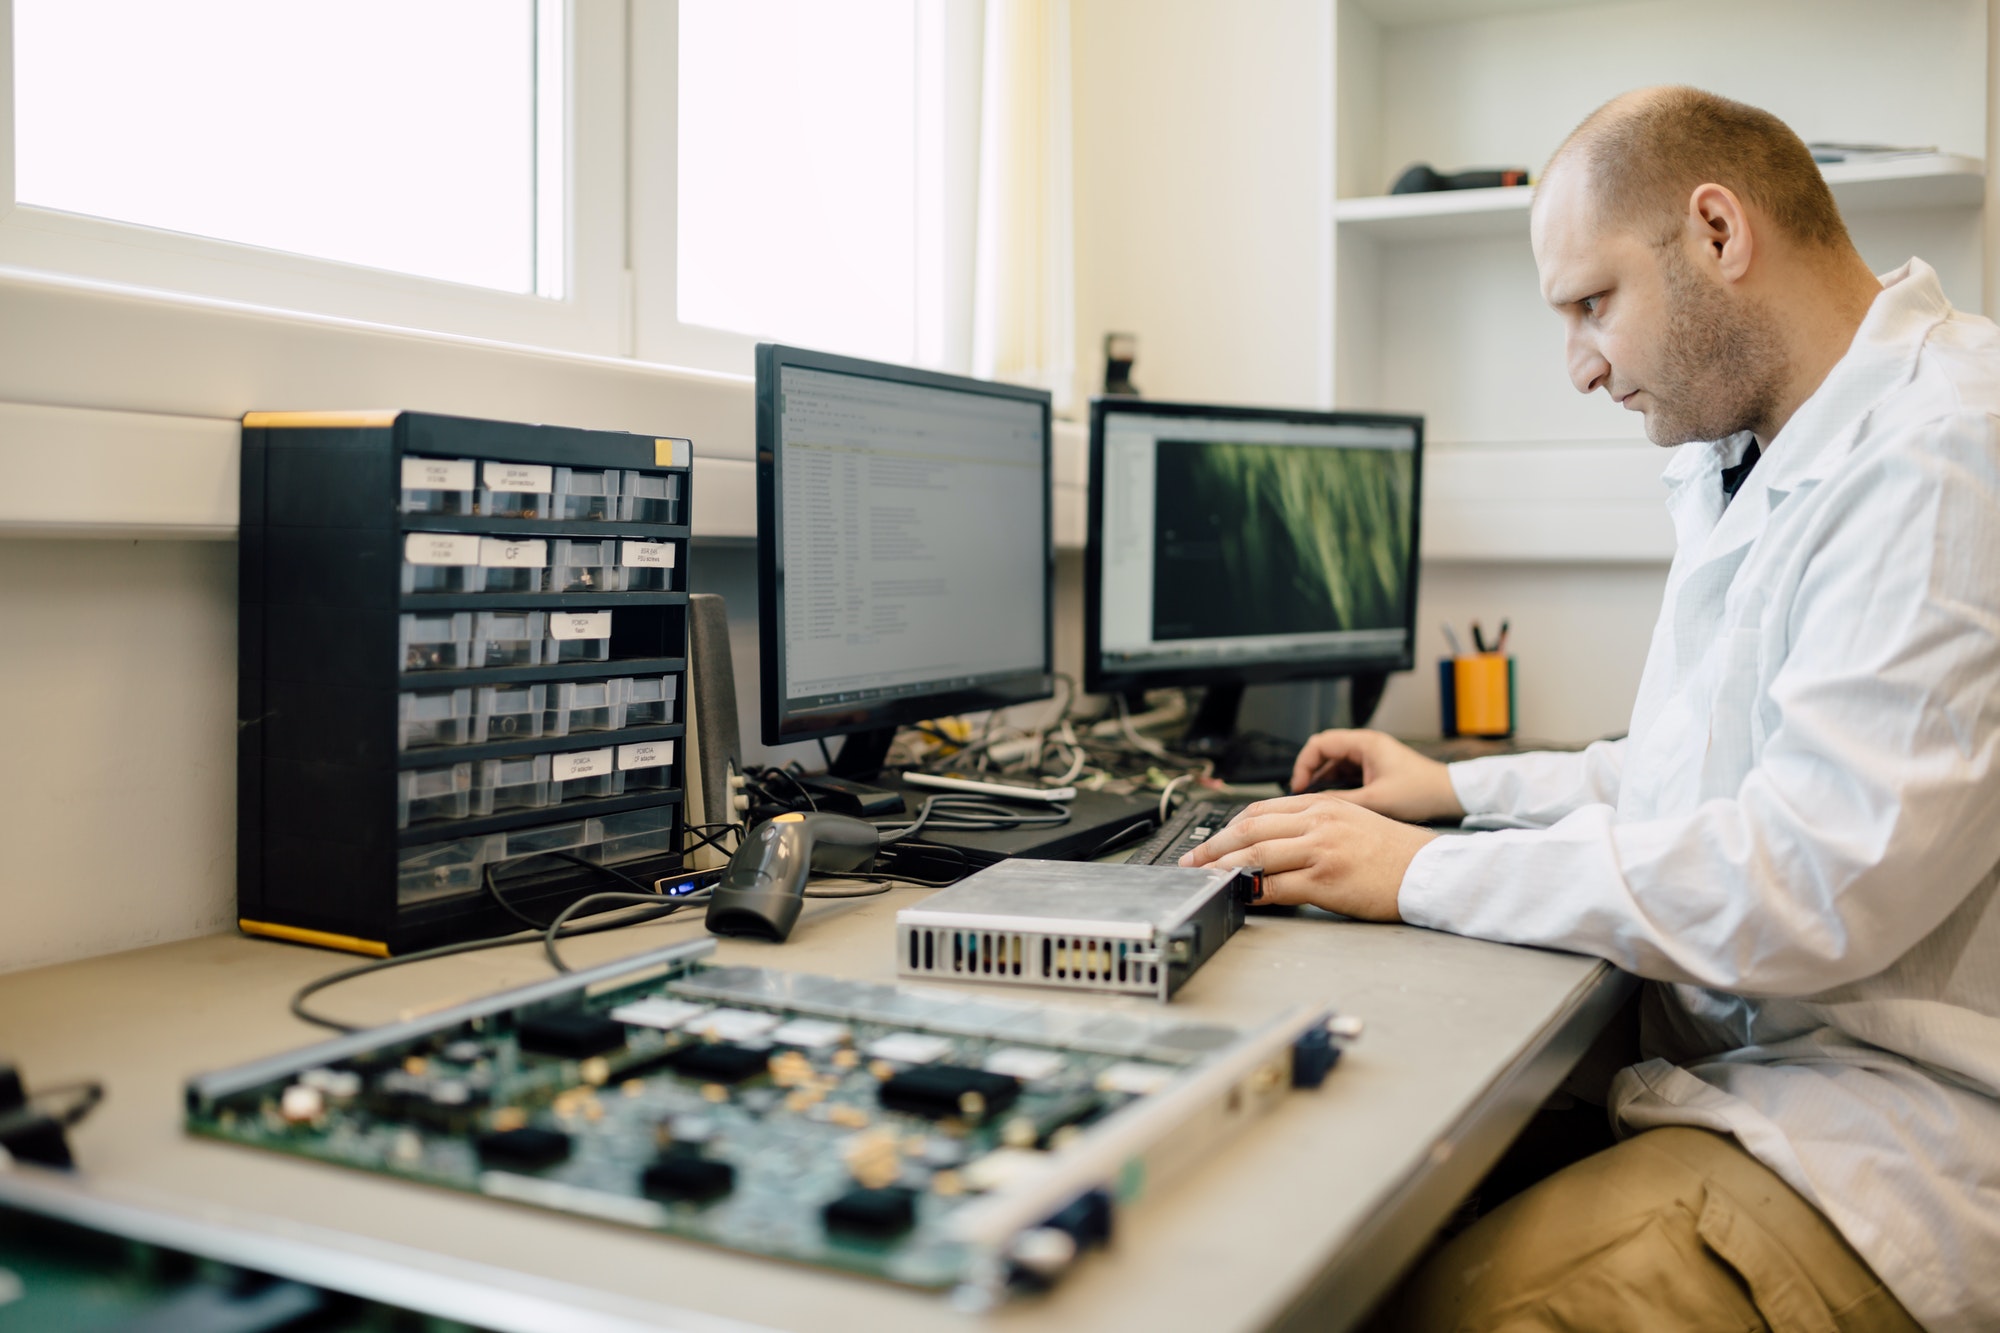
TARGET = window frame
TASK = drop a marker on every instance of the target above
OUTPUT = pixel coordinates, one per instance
(592, 315)
(949, 45)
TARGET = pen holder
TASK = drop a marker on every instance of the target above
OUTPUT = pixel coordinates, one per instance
(1476, 695)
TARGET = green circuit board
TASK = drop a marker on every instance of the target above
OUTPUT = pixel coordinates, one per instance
(806, 1118)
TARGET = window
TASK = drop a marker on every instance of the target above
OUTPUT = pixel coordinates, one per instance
(648, 178)
(825, 175)
(448, 165)
(798, 172)
(395, 136)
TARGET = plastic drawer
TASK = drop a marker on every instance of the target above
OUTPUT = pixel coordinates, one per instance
(510, 784)
(435, 642)
(585, 566)
(648, 765)
(443, 869)
(635, 834)
(433, 717)
(649, 497)
(577, 636)
(437, 485)
(650, 700)
(510, 639)
(442, 562)
(515, 490)
(553, 838)
(432, 793)
(585, 705)
(507, 712)
(585, 775)
(585, 493)
(513, 564)
(648, 566)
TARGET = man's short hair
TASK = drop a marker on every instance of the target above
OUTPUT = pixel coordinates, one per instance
(1646, 153)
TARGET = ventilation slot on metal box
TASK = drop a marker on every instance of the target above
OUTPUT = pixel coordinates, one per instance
(1079, 961)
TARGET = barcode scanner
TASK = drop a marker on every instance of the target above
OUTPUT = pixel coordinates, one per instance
(764, 885)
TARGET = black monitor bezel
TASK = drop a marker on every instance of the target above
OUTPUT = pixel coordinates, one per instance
(1097, 680)
(782, 728)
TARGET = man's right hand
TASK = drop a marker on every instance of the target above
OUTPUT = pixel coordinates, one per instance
(1395, 780)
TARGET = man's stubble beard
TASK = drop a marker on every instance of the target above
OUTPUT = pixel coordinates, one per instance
(1724, 364)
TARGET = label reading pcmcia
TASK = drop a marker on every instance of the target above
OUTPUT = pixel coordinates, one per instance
(646, 555)
(437, 474)
(532, 477)
(646, 754)
(580, 764)
(441, 548)
(579, 624)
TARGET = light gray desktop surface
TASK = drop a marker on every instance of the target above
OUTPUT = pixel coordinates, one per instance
(1301, 1223)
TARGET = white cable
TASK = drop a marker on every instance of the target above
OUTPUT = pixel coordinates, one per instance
(1145, 743)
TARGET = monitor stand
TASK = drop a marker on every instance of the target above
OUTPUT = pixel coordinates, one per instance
(862, 755)
(1253, 756)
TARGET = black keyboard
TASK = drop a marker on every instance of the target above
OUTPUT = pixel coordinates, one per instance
(1187, 828)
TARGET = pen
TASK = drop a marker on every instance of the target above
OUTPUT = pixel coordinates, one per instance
(1451, 638)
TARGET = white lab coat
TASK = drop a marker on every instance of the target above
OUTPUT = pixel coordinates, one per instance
(1801, 833)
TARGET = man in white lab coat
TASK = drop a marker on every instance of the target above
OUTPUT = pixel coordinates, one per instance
(1799, 839)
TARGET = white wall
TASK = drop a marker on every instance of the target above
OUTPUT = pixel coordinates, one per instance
(117, 800)
(1203, 162)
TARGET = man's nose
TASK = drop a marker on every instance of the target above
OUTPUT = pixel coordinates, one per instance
(1588, 371)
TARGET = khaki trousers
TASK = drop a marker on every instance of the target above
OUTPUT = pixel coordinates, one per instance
(1672, 1229)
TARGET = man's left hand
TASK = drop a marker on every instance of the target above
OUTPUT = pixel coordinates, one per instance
(1322, 850)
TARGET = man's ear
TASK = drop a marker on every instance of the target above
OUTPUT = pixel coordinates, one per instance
(1721, 224)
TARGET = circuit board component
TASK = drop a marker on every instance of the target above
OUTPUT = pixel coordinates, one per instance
(926, 1136)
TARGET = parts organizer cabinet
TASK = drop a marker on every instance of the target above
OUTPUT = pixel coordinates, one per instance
(462, 646)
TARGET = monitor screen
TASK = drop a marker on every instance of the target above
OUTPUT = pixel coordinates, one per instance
(1238, 545)
(904, 540)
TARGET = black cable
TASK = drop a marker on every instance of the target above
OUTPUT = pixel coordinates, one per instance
(973, 814)
(487, 877)
(703, 837)
(826, 754)
(665, 907)
(312, 988)
(811, 804)
(86, 1092)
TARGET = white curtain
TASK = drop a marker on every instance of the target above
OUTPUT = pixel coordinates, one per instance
(1024, 298)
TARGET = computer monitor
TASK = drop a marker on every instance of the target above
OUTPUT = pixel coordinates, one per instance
(1231, 546)
(905, 556)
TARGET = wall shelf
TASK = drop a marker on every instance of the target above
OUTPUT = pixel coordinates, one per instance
(1922, 181)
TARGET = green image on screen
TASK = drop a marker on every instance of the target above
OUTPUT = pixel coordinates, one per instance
(1263, 539)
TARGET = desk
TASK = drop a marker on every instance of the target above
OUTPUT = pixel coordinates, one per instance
(1300, 1224)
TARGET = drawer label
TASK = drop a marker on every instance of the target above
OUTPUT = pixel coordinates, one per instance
(579, 624)
(499, 552)
(441, 548)
(580, 764)
(647, 555)
(646, 754)
(518, 476)
(437, 474)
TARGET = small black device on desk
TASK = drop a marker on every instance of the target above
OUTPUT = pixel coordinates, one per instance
(1098, 822)
(765, 884)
